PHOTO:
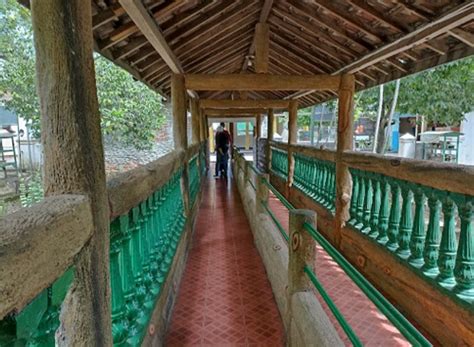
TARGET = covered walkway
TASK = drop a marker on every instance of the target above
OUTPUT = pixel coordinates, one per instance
(225, 297)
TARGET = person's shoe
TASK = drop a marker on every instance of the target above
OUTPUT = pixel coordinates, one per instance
(216, 176)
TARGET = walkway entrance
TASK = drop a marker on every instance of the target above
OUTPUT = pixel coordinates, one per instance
(224, 297)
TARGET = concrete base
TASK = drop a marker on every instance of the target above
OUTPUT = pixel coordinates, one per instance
(306, 323)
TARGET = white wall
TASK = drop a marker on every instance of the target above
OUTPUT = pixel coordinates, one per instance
(466, 155)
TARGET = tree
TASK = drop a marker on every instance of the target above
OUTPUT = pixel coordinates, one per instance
(442, 95)
(130, 111)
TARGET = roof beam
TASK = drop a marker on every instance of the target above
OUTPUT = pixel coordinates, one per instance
(152, 32)
(234, 111)
(450, 20)
(264, 13)
(261, 82)
(463, 36)
(262, 46)
(242, 104)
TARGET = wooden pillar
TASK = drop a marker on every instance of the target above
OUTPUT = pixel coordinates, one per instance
(195, 120)
(73, 155)
(302, 250)
(268, 152)
(258, 126)
(344, 142)
(262, 47)
(247, 135)
(270, 126)
(178, 98)
(292, 139)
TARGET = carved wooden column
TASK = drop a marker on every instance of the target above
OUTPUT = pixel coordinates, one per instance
(344, 142)
(73, 155)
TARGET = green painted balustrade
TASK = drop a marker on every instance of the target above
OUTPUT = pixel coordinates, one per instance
(37, 323)
(279, 163)
(142, 247)
(202, 159)
(317, 179)
(194, 179)
(431, 230)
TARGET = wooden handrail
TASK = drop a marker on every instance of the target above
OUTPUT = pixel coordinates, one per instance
(310, 151)
(442, 176)
(38, 244)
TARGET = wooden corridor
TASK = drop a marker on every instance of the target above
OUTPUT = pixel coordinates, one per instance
(225, 297)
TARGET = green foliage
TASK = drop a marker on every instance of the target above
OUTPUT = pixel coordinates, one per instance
(17, 63)
(31, 190)
(443, 94)
(131, 112)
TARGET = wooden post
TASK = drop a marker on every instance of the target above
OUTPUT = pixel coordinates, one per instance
(178, 98)
(231, 131)
(73, 156)
(195, 116)
(268, 152)
(344, 142)
(292, 139)
(302, 250)
(258, 126)
(262, 47)
(270, 121)
(262, 192)
(247, 135)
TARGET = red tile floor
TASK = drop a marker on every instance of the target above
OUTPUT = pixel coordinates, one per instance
(371, 326)
(225, 298)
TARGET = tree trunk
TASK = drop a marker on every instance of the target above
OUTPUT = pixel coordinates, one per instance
(390, 115)
(74, 156)
(379, 119)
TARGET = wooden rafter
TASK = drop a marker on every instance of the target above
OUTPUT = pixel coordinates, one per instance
(237, 104)
(460, 15)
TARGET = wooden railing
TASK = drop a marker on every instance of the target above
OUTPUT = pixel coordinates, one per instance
(410, 228)
(39, 246)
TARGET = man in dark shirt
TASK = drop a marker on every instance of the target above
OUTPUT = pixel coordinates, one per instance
(223, 141)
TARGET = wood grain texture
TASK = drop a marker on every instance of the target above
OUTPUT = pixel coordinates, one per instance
(448, 177)
(56, 228)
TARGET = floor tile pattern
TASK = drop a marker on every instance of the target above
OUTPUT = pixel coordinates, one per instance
(225, 298)
(371, 326)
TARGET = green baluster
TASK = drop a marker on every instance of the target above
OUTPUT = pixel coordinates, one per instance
(28, 321)
(119, 325)
(406, 222)
(132, 311)
(361, 201)
(394, 219)
(464, 269)
(374, 221)
(354, 196)
(137, 265)
(418, 235)
(433, 235)
(384, 210)
(369, 194)
(447, 249)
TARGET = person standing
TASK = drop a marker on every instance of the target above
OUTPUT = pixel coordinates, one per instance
(223, 142)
